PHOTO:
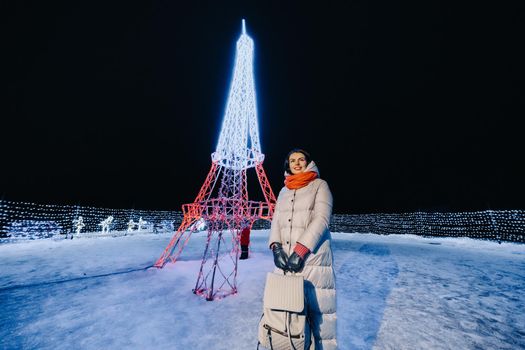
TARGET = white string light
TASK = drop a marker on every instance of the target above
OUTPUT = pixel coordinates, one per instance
(498, 225)
(23, 220)
(239, 146)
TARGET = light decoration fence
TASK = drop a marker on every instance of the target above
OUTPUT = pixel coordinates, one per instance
(24, 220)
(497, 225)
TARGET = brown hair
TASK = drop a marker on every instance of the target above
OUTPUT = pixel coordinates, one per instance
(296, 150)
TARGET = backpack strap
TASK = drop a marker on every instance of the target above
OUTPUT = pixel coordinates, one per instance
(270, 337)
(289, 321)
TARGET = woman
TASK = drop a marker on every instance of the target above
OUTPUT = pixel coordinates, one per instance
(300, 241)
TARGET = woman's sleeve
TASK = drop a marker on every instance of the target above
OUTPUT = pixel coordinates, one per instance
(275, 230)
(321, 218)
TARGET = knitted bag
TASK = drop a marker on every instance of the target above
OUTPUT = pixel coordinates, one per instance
(284, 325)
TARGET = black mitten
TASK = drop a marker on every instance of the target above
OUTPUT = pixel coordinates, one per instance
(295, 262)
(280, 259)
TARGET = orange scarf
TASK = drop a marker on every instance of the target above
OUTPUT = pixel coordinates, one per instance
(294, 182)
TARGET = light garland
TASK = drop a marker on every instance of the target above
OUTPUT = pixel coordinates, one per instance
(33, 229)
(24, 220)
(497, 225)
(239, 146)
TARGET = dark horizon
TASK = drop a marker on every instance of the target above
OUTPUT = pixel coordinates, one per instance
(404, 107)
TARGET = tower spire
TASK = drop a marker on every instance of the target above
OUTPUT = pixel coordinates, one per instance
(239, 146)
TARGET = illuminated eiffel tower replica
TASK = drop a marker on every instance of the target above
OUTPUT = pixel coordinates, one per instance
(223, 201)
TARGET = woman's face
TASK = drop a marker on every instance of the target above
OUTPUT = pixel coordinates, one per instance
(297, 163)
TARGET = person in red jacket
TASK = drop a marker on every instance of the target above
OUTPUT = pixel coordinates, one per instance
(245, 242)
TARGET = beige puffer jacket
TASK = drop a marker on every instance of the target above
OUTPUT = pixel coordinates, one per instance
(303, 216)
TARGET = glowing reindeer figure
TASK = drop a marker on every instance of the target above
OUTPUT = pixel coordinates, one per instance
(79, 224)
(141, 224)
(131, 225)
(106, 224)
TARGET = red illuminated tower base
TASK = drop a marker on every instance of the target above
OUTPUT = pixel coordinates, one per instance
(225, 219)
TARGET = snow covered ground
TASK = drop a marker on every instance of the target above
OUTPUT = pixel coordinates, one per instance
(394, 292)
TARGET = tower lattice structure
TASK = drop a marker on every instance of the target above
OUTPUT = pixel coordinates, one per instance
(222, 201)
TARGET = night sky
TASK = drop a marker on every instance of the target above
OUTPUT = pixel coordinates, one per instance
(404, 106)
